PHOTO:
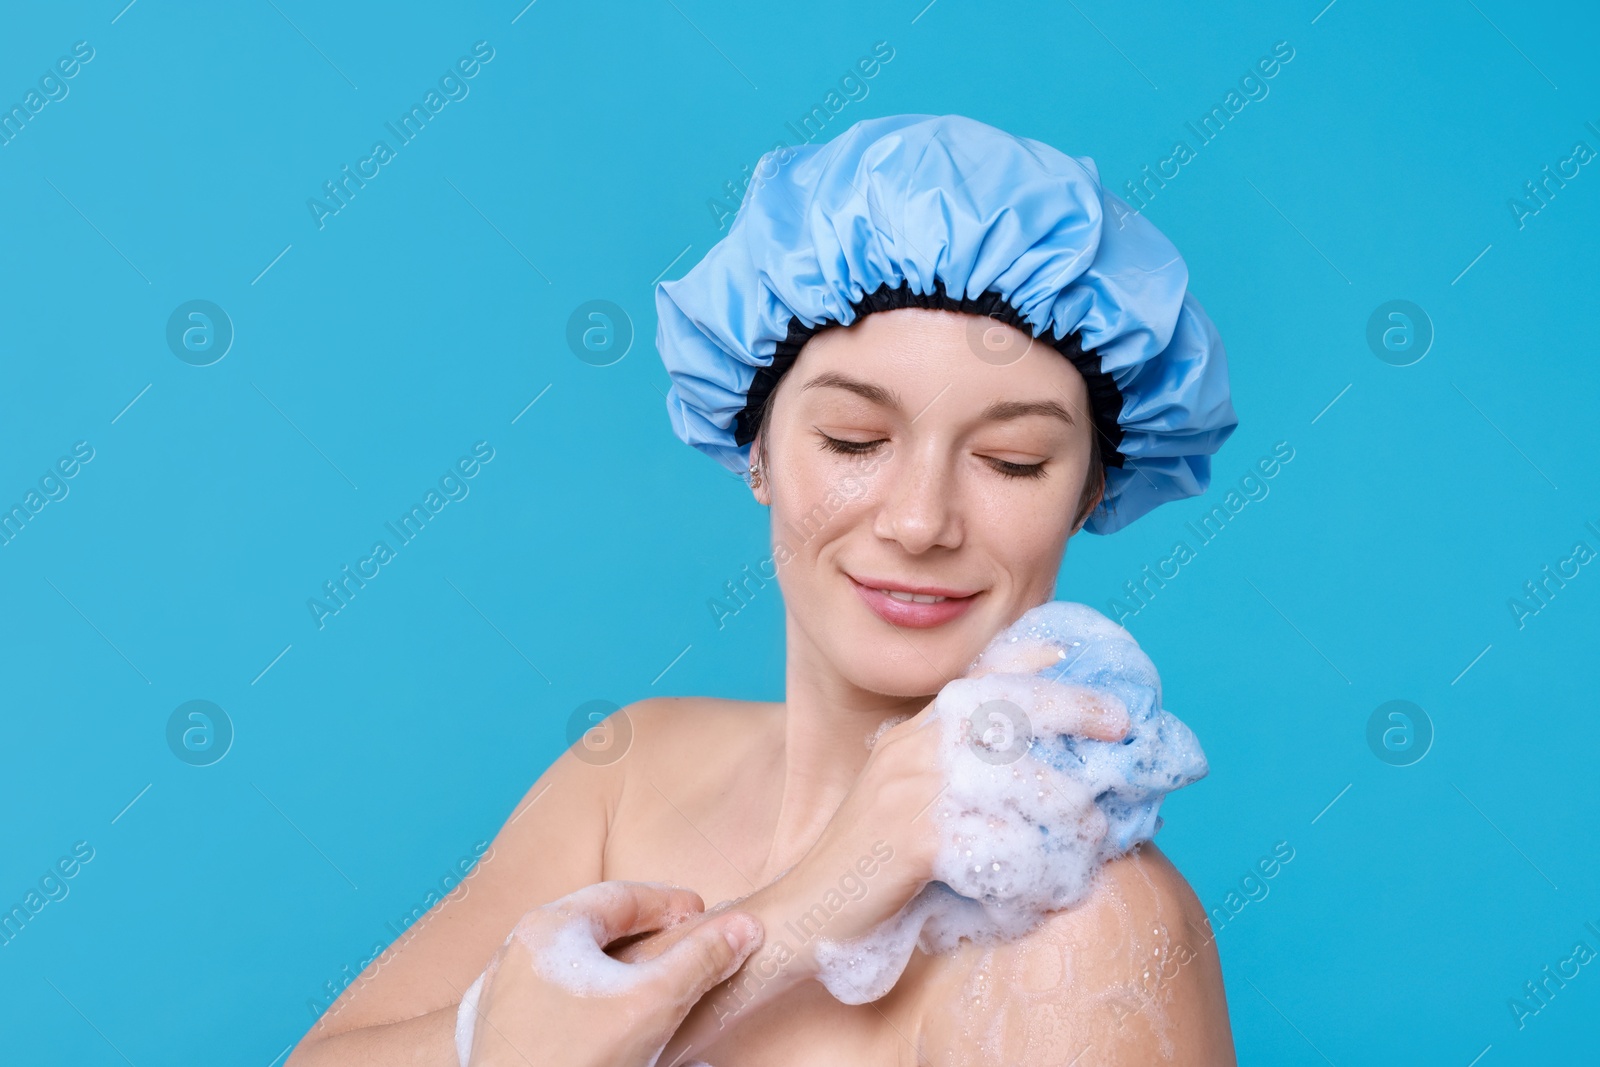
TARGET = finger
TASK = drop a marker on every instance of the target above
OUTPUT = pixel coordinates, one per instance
(648, 946)
(617, 909)
(1017, 657)
(707, 957)
(1051, 707)
(1077, 709)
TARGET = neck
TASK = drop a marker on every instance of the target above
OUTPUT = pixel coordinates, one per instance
(828, 722)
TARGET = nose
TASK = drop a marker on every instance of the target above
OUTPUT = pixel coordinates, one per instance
(919, 507)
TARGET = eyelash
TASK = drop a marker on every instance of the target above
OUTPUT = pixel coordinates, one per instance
(1004, 467)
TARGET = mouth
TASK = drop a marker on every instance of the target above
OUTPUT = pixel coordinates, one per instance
(917, 606)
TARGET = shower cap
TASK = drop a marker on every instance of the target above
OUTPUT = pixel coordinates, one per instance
(943, 211)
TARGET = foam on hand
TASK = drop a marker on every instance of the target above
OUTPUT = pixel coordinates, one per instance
(569, 953)
(467, 1013)
(1032, 807)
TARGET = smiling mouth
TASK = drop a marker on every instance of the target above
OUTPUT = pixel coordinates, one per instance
(917, 606)
(913, 598)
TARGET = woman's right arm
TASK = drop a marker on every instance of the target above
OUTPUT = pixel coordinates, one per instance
(402, 1008)
(877, 852)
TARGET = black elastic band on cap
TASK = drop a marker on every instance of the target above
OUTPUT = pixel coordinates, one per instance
(1105, 400)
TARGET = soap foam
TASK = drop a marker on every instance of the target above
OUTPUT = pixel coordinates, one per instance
(1031, 810)
(568, 953)
(467, 1016)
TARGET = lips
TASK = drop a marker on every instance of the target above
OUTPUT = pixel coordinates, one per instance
(932, 606)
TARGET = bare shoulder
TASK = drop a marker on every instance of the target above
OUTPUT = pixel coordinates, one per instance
(553, 840)
(688, 745)
(1129, 976)
(669, 727)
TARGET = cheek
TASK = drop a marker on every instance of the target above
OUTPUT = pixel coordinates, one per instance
(1022, 523)
(815, 508)
(821, 520)
(816, 495)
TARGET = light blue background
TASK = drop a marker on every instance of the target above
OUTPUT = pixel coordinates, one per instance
(430, 311)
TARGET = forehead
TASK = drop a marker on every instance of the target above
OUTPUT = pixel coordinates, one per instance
(918, 354)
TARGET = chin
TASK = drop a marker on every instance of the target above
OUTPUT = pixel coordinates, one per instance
(901, 662)
(900, 680)
(902, 665)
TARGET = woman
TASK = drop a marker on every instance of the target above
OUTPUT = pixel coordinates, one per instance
(939, 351)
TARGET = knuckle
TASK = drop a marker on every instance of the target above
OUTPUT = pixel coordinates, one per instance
(713, 954)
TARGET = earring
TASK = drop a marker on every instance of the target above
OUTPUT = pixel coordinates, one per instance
(755, 475)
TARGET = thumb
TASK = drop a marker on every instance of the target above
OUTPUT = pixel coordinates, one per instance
(708, 956)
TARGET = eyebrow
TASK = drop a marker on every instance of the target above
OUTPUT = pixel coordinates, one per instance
(998, 411)
(875, 394)
(1001, 410)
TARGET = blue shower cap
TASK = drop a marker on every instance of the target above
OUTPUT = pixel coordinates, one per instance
(944, 211)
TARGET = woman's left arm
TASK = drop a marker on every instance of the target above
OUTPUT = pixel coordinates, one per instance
(1127, 978)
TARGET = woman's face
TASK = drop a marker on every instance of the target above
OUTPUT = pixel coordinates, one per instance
(911, 451)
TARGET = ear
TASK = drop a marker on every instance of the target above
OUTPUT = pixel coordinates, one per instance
(762, 492)
(1099, 495)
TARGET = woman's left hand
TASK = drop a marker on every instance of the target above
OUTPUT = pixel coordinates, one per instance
(551, 995)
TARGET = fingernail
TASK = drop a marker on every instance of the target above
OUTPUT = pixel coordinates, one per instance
(742, 932)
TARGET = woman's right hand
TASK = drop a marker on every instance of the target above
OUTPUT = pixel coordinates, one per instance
(878, 849)
(887, 824)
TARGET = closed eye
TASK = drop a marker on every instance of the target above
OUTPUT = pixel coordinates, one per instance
(1017, 470)
(1002, 466)
(848, 448)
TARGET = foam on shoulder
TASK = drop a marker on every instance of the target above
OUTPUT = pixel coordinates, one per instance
(1034, 805)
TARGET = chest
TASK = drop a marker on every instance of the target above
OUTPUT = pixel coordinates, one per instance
(705, 847)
